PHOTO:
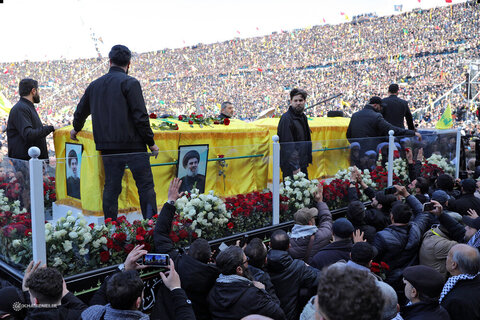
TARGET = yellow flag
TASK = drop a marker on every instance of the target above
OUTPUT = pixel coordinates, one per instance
(5, 105)
(446, 121)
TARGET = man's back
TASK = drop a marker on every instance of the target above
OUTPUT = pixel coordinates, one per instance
(463, 300)
(396, 110)
(288, 277)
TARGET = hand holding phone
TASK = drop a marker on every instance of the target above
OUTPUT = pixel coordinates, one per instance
(428, 206)
(160, 260)
(389, 190)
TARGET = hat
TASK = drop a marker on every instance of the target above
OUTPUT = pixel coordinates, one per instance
(472, 223)
(8, 297)
(342, 228)
(370, 153)
(377, 100)
(469, 185)
(304, 215)
(356, 211)
(425, 279)
(440, 196)
(190, 155)
(354, 145)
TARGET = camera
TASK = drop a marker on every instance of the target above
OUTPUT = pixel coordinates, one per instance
(156, 260)
(389, 190)
(428, 206)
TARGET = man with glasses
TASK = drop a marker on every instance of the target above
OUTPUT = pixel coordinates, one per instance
(234, 294)
(24, 127)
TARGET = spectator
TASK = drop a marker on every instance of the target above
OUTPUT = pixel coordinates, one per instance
(226, 110)
(339, 249)
(345, 293)
(198, 276)
(391, 307)
(361, 257)
(461, 294)
(49, 292)
(306, 239)
(467, 199)
(234, 296)
(289, 276)
(423, 286)
(356, 215)
(420, 187)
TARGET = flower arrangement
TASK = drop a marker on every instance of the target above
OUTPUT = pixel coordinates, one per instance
(380, 269)
(299, 191)
(442, 163)
(201, 120)
(400, 169)
(202, 211)
(335, 193)
(49, 192)
(366, 178)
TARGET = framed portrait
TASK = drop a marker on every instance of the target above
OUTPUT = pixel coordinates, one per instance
(192, 166)
(73, 155)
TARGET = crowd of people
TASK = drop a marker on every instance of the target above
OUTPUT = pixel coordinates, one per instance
(425, 50)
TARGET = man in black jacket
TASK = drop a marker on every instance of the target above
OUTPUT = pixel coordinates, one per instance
(397, 109)
(461, 293)
(121, 130)
(369, 123)
(234, 295)
(226, 110)
(24, 127)
(295, 136)
(289, 276)
(198, 276)
(467, 200)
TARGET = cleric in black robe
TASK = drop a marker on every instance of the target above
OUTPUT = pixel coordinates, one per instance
(192, 179)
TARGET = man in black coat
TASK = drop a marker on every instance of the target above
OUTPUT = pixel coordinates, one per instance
(197, 275)
(121, 130)
(423, 286)
(235, 295)
(467, 200)
(461, 294)
(226, 110)
(369, 123)
(295, 136)
(396, 109)
(290, 276)
(24, 127)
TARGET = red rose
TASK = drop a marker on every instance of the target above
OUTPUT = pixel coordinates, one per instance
(216, 122)
(230, 225)
(176, 127)
(194, 235)
(199, 116)
(146, 246)
(139, 238)
(183, 234)
(104, 256)
(141, 231)
(221, 156)
(153, 116)
(28, 232)
(109, 243)
(180, 118)
(121, 219)
(385, 266)
(190, 122)
(129, 247)
(120, 237)
(226, 121)
(108, 220)
(174, 237)
(91, 225)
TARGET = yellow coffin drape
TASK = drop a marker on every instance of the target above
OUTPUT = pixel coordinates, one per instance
(239, 139)
(327, 133)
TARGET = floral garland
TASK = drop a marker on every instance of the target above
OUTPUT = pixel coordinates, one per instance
(191, 119)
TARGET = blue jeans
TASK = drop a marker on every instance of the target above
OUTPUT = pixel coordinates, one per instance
(139, 164)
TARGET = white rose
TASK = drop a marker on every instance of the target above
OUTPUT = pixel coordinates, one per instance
(83, 251)
(57, 261)
(198, 232)
(48, 226)
(96, 244)
(70, 219)
(210, 215)
(16, 243)
(67, 245)
(73, 235)
(87, 237)
(208, 207)
(103, 240)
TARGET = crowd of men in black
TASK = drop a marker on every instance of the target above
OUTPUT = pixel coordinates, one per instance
(425, 238)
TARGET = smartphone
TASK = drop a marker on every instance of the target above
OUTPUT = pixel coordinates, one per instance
(390, 190)
(428, 206)
(156, 260)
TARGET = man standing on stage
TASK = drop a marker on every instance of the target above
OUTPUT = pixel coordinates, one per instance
(24, 127)
(121, 130)
(396, 109)
(295, 138)
(226, 110)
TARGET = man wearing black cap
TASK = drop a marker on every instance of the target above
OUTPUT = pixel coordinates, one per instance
(423, 286)
(121, 130)
(369, 123)
(467, 200)
(397, 109)
(193, 179)
(339, 249)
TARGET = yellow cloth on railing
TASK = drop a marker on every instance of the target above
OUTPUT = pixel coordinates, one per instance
(237, 139)
(326, 133)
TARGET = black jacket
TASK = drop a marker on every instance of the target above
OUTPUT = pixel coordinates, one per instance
(288, 277)
(424, 311)
(368, 123)
(233, 301)
(398, 245)
(197, 278)
(396, 110)
(294, 129)
(25, 130)
(463, 301)
(263, 277)
(70, 309)
(465, 202)
(119, 116)
(333, 252)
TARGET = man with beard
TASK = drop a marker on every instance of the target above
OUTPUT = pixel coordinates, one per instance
(226, 110)
(295, 137)
(234, 294)
(192, 179)
(73, 181)
(24, 127)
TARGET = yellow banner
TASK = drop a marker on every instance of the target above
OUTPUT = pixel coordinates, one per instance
(446, 121)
